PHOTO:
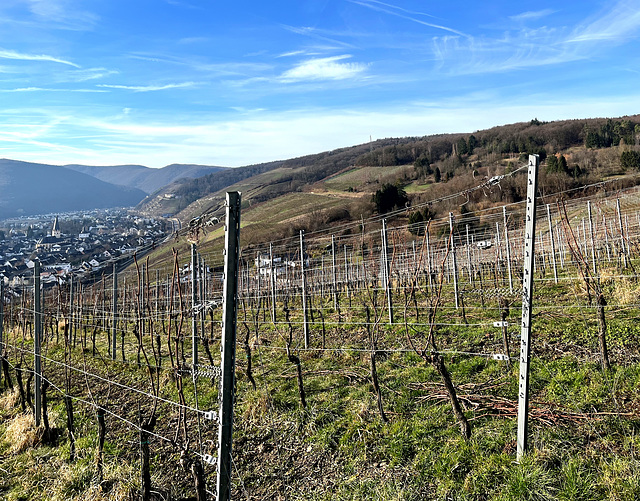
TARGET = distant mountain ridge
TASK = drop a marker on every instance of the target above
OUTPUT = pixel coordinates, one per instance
(30, 188)
(145, 178)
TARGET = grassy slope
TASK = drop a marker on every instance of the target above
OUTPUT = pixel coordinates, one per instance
(585, 424)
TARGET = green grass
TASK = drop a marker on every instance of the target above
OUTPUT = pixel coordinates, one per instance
(584, 434)
(361, 177)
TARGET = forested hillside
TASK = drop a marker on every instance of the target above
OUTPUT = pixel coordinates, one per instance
(574, 153)
(443, 156)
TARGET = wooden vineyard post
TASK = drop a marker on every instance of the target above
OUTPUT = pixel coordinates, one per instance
(114, 313)
(228, 345)
(527, 294)
(194, 300)
(304, 292)
(37, 338)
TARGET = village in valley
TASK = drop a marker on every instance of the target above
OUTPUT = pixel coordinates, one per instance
(82, 244)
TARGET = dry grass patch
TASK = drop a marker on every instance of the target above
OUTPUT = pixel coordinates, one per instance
(10, 400)
(21, 433)
(625, 292)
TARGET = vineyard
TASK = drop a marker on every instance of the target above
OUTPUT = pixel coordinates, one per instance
(376, 360)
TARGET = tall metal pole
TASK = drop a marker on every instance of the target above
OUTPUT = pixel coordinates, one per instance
(386, 270)
(1, 323)
(426, 230)
(335, 276)
(37, 337)
(194, 301)
(71, 312)
(507, 247)
(228, 344)
(468, 255)
(157, 294)
(606, 237)
(561, 242)
(553, 247)
(114, 313)
(1, 317)
(140, 300)
(527, 295)
(273, 283)
(346, 267)
(622, 242)
(453, 259)
(593, 244)
(202, 285)
(304, 291)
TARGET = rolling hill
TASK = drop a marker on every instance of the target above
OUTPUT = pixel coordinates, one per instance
(335, 187)
(144, 178)
(30, 188)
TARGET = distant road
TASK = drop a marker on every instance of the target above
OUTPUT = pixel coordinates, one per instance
(176, 227)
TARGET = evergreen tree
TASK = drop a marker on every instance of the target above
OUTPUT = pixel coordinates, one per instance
(389, 197)
(472, 143)
(630, 160)
(416, 223)
(562, 164)
(462, 147)
(422, 166)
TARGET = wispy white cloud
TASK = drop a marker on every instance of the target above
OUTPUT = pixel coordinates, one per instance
(532, 15)
(84, 75)
(193, 40)
(400, 9)
(542, 46)
(266, 135)
(149, 88)
(224, 69)
(324, 68)
(66, 14)
(617, 24)
(317, 34)
(8, 69)
(293, 53)
(404, 14)
(44, 89)
(10, 54)
(185, 5)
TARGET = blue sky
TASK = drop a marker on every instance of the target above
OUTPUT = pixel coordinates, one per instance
(155, 82)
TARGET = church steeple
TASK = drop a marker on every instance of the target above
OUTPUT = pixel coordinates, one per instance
(55, 231)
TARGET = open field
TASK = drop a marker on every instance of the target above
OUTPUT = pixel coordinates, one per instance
(362, 176)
